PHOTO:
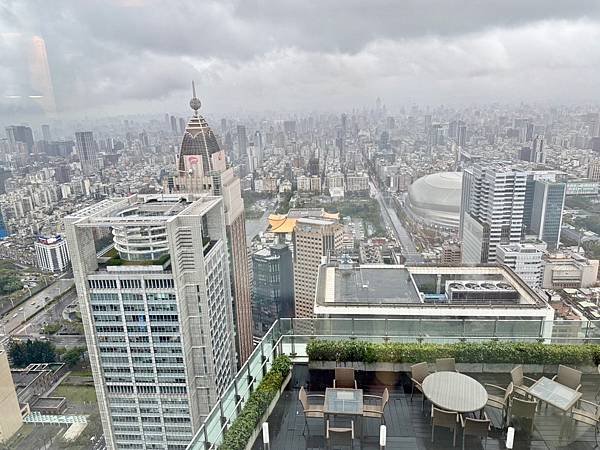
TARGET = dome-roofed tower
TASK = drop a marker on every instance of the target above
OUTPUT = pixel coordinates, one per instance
(198, 141)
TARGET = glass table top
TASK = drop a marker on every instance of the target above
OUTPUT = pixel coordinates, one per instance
(343, 401)
(556, 394)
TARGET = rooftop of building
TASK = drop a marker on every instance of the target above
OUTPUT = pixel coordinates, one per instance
(422, 285)
(285, 223)
(142, 209)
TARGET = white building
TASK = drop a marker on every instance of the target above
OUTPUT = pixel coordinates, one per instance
(569, 270)
(526, 260)
(52, 253)
(492, 209)
(157, 314)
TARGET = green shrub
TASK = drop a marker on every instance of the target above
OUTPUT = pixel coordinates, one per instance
(490, 352)
(238, 434)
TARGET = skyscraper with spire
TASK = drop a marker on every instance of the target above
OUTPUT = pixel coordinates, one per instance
(202, 167)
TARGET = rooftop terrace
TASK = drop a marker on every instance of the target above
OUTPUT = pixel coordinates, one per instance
(408, 426)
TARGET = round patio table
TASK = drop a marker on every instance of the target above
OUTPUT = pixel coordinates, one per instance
(455, 391)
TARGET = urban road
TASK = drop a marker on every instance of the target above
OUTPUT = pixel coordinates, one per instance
(393, 222)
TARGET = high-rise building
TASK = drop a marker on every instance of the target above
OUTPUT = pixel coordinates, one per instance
(20, 134)
(52, 253)
(493, 212)
(461, 138)
(10, 419)
(546, 215)
(174, 125)
(313, 240)
(181, 125)
(538, 152)
(593, 172)
(86, 150)
(202, 168)
(157, 314)
(46, 136)
(273, 286)
(450, 253)
(242, 140)
(526, 260)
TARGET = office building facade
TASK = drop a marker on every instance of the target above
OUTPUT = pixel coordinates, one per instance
(525, 260)
(52, 253)
(491, 210)
(157, 314)
(86, 150)
(313, 240)
(546, 213)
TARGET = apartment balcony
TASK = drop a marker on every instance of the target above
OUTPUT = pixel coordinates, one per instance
(408, 421)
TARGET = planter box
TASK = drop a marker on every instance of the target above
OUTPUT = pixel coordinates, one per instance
(268, 412)
(461, 367)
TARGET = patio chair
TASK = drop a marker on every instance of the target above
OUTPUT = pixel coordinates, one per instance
(310, 410)
(444, 419)
(475, 427)
(524, 409)
(568, 377)
(344, 378)
(521, 383)
(418, 373)
(336, 436)
(501, 402)
(589, 413)
(377, 411)
(598, 391)
(445, 365)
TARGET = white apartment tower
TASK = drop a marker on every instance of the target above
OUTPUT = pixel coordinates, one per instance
(157, 314)
(313, 240)
(491, 211)
(526, 260)
(52, 253)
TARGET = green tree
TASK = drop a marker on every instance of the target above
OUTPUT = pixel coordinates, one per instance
(25, 353)
(73, 356)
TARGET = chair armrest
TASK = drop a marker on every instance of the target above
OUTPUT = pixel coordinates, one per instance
(578, 387)
(315, 395)
(495, 387)
(554, 377)
(462, 420)
(308, 410)
(587, 402)
(378, 397)
(415, 381)
(529, 379)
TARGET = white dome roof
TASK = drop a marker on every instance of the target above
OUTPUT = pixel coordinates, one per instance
(436, 198)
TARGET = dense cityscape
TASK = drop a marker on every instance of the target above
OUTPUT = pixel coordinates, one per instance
(192, 279)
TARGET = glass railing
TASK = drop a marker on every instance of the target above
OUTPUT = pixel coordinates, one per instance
(291, 336)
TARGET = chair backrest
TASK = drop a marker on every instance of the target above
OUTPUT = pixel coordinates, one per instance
(516, 376)
(419, 371)
(445, 365)
(340, 436)
(477, 427)
(508, 393)
(444, 418)
(344, 377)
(569, 377)
(302, 396)
(523, 408)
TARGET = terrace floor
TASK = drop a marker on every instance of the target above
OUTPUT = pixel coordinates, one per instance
(408, 427)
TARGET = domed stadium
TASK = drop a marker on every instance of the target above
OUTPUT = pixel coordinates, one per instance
(435, 199)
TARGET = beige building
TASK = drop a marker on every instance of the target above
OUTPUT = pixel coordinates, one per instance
(569, 270)
(313, 240)
(10, 419)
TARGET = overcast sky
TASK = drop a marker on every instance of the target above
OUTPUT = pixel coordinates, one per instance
(124, 56)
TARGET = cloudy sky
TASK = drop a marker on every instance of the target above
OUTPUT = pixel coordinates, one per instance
(124, 56)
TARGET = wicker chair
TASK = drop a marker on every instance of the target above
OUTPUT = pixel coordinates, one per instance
(475, 427)
(520, 382)
(418, 373)
(524, 409)
(336, 436)
(310, 410)
(445, 365)
(568, 377)
(501, 402)
(588, 413)
(377, 411)
(344, 378)
(444, 419)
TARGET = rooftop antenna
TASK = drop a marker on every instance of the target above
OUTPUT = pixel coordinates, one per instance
(195, 102)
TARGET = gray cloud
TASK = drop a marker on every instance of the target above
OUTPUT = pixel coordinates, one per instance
(259, 54)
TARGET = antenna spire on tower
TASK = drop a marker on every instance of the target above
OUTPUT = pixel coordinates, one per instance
(195, 102)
